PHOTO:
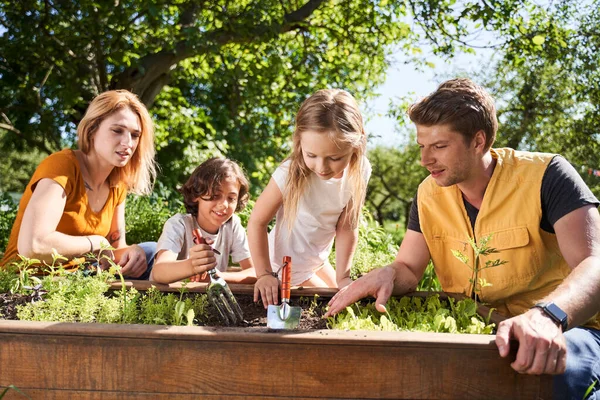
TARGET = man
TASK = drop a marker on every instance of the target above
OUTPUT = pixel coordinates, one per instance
(542, 218)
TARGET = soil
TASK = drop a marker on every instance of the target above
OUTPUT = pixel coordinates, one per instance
(255, 315)
(9, 303)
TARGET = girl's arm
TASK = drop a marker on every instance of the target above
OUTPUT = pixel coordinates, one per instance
(38, 234)
(264, 210)
(346, 238)
(167, 268)
(246, 275)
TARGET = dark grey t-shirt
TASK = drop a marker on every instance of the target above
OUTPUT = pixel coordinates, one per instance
(563, 191)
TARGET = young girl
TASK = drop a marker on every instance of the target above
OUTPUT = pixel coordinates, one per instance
(216, 189)
(317, 194)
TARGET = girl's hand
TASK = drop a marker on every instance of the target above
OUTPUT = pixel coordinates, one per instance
(202, 258)
(267, 286)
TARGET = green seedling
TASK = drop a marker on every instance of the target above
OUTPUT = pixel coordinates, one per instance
(589, 390)
(13, 387)
(481, 249)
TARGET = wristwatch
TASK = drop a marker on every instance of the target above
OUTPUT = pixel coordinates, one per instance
(555, 313)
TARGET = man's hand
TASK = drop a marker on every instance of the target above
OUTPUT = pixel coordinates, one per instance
(133, 262)
(542, 346)
(378, 283)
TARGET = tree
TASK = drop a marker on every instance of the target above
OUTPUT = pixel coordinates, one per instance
(394, 181)
(220, 77)
(549, 98)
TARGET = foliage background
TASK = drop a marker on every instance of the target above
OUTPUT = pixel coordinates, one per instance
(225, 77)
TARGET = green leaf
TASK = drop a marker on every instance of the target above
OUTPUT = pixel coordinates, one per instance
(538, 40)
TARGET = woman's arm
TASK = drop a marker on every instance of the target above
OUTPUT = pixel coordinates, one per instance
(264, 210)
(38, 234)
(346, 238)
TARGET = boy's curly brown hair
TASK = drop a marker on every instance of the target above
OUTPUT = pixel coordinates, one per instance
(206, 180)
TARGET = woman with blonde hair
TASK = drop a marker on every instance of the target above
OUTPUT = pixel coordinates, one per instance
(316, 195)
(75, 201)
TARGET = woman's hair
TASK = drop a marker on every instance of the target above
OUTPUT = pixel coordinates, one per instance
(139, 173)
(207, 179)
(463, 105)
(335, 114)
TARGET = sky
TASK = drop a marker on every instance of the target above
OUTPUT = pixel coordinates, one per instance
(405, 80)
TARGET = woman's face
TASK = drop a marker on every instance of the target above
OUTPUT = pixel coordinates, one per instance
(117, 137)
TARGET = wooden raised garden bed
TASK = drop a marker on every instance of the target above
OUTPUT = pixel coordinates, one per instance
(101, 361)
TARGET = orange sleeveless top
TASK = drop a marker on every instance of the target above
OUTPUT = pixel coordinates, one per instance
(78, 218)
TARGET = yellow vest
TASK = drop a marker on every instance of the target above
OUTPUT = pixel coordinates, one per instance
(511, 212)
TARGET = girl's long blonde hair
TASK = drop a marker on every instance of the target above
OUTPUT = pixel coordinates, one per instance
(335, 113)
(139, 173)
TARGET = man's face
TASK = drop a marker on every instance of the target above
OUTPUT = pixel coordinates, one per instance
(446, 155)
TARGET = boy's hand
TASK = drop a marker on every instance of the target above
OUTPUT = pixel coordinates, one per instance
(267, 286)
(203, 277)
(202, 258)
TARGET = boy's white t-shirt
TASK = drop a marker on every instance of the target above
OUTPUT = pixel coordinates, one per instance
(231, 239)
(311, 238)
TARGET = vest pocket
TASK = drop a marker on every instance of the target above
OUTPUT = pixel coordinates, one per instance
(523, 264)
(509, 238)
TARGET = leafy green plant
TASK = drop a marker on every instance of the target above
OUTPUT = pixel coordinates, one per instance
(375, 248)
(13, 387)
(167, 309)
(479, 250)
(415, 314)
(589, 390)
(8, 213)
(429, 282)
(145, 216)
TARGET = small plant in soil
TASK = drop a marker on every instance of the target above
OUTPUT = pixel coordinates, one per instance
(481, 249)
(82, 296)
(431, 314)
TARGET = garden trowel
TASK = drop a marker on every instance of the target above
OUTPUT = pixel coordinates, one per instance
(284, 316)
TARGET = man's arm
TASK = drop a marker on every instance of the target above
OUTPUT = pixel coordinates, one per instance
(399, 277)
(542, 347)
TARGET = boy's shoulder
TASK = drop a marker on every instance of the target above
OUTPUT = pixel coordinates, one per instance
(234, 221)
(180, 219)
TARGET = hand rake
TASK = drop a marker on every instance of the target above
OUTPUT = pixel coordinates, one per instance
(219, 294)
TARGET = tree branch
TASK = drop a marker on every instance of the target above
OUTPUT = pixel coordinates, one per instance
(154, 66)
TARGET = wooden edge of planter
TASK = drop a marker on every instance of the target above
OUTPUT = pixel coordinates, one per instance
(221, 334)
(200, 287)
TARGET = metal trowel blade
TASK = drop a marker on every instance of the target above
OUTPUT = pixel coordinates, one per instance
(274, 320)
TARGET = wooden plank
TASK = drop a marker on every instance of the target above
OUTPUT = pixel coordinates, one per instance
(200, 287)
(125, 361)
(105, 395)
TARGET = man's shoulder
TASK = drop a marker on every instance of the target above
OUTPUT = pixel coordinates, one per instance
(513, 157)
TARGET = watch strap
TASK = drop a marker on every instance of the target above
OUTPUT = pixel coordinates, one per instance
(561, 319)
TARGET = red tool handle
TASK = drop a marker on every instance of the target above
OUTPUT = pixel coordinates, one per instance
(198, 239)
(286, 277)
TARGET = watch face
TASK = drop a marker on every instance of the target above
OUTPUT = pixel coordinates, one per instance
(556, 311)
